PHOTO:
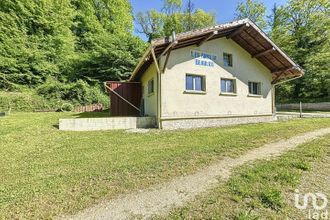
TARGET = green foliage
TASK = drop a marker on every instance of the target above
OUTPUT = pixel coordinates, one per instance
(26, 101)
(67, 107)
(36, 40)
(173, 17)
(76, 93)
(68, 41)
(254, 10)
(111, 59)
(52, 95)
(301, 29)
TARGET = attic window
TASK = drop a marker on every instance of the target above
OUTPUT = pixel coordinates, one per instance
(151, 86)
(228, 59)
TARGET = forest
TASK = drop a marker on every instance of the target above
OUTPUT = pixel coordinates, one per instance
(58, 53)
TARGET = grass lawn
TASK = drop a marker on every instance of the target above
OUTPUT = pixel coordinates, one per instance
(45, 172)
(265, 189)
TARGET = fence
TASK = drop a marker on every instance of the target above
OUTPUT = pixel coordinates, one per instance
(324, 106)
(89, 108)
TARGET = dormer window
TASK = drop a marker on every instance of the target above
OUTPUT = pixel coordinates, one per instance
(227, 59)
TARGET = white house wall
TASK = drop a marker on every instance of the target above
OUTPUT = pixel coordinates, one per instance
(177, 104)
(150, 100)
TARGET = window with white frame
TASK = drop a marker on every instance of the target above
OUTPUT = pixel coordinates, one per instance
(151, 86)
(228, 86)
(255, 88)
(227, 59)
(195, 83)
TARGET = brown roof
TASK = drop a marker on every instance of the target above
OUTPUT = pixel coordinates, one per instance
(245, 33)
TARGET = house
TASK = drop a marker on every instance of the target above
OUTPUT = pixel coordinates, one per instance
(215, 76)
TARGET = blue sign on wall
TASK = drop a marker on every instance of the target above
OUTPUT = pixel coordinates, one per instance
(199, 62)
(203, 59)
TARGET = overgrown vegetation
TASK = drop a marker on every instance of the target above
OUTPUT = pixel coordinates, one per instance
(72, 45)
(53, 96)
(264, 189)
(62, 172)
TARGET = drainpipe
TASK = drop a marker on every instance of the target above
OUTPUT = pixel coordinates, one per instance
(279, 83)
(159, 123)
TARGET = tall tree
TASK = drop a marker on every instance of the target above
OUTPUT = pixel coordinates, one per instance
(302, 31)
(36, 40)
(66, 40)
(107, 49)
(254, 10)
(190, 8)
(173, 17)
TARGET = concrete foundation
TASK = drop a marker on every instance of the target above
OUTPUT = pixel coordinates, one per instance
(214, 121)
(114, 123)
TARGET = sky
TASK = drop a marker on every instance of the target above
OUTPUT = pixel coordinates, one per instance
(224, 9)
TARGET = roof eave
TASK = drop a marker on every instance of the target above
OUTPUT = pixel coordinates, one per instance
(141, 62)
(184, 36)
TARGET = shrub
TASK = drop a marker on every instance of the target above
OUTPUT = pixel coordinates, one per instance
(67, 107)
(53, 96)
(76, 93)
(25, 101)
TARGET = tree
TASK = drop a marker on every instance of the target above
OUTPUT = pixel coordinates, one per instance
(302, 31)
(36, 41)
(173, 17)
(66, 40)
(151, 23)
(107, 49)
(190, 8)
(253, 10)
(171, 6)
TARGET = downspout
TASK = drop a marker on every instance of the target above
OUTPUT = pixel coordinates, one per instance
(279, 83)
(159, 123)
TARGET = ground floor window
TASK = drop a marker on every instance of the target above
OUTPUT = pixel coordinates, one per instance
(195, 82)
(228, 86)
(255, 88)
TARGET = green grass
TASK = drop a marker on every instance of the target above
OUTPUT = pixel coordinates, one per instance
(45, 172)
(264, 189)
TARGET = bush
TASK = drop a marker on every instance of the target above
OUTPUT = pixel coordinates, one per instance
(25, 101)
(67, 107)
(76, 93)
(53, 96)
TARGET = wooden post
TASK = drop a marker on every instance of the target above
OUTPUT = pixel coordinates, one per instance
(300, 107)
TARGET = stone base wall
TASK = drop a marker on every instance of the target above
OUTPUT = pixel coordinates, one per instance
(214, 122)
(98, 124)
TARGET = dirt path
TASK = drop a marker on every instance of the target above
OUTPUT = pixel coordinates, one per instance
(161, 198)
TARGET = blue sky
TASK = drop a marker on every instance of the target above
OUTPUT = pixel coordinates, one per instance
(224, 9)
